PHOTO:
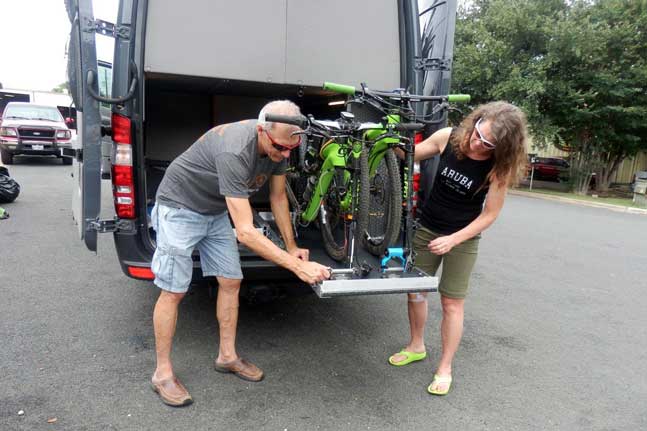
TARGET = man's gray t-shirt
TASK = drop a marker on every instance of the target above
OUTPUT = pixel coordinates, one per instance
(224, 162)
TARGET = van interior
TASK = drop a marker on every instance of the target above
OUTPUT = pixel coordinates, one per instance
(179, 109)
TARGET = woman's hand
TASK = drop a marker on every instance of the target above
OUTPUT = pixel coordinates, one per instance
(442, 244)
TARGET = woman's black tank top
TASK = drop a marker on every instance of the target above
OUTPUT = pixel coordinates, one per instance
(457, 197)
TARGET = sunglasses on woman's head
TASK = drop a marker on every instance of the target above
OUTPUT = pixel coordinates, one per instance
(487, 144)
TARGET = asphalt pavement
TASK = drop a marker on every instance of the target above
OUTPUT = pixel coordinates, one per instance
(555, 334)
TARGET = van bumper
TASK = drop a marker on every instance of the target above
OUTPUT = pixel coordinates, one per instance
(132, 251)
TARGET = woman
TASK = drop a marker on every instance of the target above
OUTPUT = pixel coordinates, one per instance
(479, 161)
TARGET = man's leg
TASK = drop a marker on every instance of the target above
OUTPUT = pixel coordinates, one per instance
(164, 321)
(219, 257)
(164, 381)
(227, 314)
(228, 360)
(178, 230)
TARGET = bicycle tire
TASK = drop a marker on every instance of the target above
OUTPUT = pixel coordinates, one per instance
(338, 249)
(389, 229)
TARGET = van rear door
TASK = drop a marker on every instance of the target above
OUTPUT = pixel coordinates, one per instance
(82, 64)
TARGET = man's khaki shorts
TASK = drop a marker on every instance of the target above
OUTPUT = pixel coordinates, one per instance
(457, 264)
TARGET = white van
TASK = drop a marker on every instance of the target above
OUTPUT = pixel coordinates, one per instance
(181, 68)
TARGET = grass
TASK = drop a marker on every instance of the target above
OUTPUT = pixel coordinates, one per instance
(623, 202)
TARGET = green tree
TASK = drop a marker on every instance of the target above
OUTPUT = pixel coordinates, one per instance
(596, 86)
(578, 69)
(62, 88)
(501, 49)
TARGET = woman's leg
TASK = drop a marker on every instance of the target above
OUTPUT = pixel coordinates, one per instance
(451, 332)
(457, 269)
(417, 309)
(417, 302)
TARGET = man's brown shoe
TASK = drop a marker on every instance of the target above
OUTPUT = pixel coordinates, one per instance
(243, 369)
(172, 392)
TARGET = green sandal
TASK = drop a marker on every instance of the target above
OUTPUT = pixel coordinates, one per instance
(410, 357)
(439, 380)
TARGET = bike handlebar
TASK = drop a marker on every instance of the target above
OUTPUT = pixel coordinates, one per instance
(296, 120)
(350, 90)
(339, 88)
(459, 98)
(408, 127)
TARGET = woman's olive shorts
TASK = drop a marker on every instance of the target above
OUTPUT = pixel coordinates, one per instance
(457, 264)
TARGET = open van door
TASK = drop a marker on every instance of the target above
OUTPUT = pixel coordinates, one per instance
(434, 71)
(82, 63)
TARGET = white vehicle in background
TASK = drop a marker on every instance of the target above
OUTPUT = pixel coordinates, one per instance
(30, 129)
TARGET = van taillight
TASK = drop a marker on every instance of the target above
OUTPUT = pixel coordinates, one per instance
(123, 184)
(141, 272)
(120, 129)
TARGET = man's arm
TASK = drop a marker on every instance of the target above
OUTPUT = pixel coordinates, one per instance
(281, 210)
(241, 214)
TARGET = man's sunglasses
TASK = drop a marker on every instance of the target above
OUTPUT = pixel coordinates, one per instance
(487, 144)
(280, 147)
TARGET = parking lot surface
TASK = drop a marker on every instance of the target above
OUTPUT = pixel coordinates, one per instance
(555, 334)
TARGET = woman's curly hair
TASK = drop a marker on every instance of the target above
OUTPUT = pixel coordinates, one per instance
(509, 133)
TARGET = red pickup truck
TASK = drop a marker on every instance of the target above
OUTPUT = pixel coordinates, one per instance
(548, 168)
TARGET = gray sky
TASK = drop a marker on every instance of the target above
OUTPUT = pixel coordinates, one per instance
(34, 34)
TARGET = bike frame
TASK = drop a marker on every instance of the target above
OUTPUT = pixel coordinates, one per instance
(335, 157)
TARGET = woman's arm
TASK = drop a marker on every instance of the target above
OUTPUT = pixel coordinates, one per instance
(493, 204)
(434, 144)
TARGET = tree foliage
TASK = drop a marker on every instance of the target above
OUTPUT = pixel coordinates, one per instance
(62, 88)
(578, 69)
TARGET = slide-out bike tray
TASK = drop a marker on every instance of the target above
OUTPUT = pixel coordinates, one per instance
(345, 281)
(393, 280)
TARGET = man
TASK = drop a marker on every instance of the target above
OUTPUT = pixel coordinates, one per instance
(214, 178)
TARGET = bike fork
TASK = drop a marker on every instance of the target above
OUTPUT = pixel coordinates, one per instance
(408, 219)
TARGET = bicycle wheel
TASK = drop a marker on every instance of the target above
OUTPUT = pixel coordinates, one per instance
(336, 230)
(385, 206)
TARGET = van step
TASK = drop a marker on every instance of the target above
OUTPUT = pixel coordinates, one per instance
(376, 286)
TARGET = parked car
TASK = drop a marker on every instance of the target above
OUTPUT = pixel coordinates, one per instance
(548, 168)
(27, 128)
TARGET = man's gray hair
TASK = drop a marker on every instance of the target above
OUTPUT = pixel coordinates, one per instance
(279, 107)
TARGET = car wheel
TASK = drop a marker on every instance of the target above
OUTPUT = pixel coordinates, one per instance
(7, 157)
(66, 160)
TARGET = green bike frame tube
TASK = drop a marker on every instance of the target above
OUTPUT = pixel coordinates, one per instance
(333, 160)
(378, 149)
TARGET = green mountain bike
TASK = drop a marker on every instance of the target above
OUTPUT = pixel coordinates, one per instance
(390, 180)
(336, 173)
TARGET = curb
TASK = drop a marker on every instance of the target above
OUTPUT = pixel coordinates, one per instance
(611, 207)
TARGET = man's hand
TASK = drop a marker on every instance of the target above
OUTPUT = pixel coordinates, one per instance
(312, 272)
(300, 253)
(442, 245)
